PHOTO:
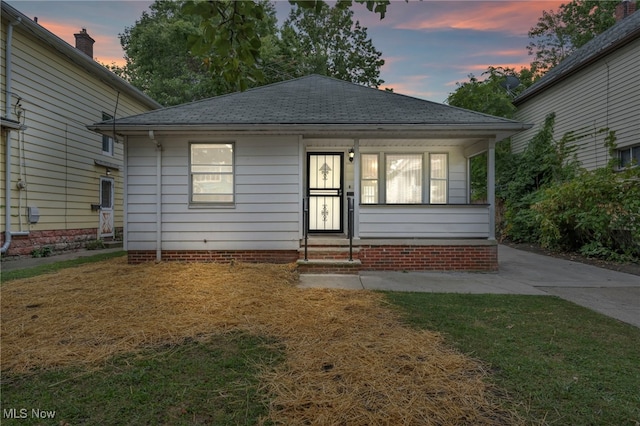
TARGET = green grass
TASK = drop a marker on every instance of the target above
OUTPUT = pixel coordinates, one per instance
(209, 382)
(53, 267)
(564, 364)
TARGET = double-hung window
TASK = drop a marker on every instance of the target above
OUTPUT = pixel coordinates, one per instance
(403, 178)
(211, 173)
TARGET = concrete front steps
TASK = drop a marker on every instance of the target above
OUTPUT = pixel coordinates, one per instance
(326, 255)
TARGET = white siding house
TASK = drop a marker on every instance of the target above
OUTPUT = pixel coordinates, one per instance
(61, 183)
(270, 173)
(591, 92)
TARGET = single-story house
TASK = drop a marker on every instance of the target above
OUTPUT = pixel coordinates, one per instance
(298, 169)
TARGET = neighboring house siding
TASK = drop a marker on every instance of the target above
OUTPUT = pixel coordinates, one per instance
(266, 214)
(603, 95)
(55, 155)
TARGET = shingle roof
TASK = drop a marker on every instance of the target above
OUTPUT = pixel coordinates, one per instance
(615, 37)
(310, 100)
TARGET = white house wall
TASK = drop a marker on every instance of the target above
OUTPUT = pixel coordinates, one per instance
(266, 214)
(606, 94)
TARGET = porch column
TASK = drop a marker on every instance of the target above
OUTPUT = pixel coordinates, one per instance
(356, 189)
(491, 188)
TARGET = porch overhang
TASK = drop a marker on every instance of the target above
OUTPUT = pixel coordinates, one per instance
(365, 130)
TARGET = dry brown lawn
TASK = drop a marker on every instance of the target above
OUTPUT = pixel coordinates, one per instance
(349, 358)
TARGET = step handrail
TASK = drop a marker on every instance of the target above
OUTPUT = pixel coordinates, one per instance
(305, 225)
(350, 221)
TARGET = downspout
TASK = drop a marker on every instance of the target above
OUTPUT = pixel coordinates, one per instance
(158, 196)
(7, 153)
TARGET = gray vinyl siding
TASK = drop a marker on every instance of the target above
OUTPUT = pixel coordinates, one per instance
(265, 215)
(606, 94)
(419, 221)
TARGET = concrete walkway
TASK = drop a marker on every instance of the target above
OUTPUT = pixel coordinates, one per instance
(612, 293)
(32, 262)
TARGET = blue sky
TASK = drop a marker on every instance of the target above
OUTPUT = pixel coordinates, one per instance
(428, 45)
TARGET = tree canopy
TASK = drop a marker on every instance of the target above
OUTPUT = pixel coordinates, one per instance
(326, 41)
(229, 38)
(557, 34)
(183, 51)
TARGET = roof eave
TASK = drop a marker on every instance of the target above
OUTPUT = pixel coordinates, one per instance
(77, 57)
(490, 130)
(544, 85)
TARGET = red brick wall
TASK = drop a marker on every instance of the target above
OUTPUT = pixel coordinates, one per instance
(58, 240)
(372, 258)
(429, 258)
(220, 256)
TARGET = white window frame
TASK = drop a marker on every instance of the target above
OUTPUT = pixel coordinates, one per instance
(426, 177)
(432, 179)
(631, 150)
(214, 177)
(107, 140)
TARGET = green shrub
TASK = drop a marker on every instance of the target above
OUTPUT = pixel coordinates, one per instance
(44, 251)
(598, 214)
(545, 162)
(95, 245)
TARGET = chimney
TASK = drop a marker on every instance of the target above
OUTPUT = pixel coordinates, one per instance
(84, 42)
(624, 9)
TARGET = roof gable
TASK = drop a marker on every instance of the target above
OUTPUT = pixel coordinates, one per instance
(311, 100)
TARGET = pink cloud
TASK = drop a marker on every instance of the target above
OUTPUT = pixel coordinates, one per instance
(106, 49)
(413, 85)
(515, 17)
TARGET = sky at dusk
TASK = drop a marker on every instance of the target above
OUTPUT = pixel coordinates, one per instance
(427, 45)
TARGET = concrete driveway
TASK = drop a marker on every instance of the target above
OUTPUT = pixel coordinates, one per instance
(612, 293)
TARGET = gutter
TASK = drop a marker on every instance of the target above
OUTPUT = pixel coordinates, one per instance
(411, 130)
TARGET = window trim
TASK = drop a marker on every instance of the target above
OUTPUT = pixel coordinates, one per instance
(108, 139)
(446, 179)
(630, 150)
(205, 204)
(426, 178)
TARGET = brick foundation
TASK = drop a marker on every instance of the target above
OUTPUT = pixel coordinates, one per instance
(467, 258)
(59, 240)
(218, 256)
(483, 258)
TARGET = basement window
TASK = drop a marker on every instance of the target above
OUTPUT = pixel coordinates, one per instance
(211, 173)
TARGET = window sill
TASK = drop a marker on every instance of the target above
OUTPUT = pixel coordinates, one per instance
(212, 206)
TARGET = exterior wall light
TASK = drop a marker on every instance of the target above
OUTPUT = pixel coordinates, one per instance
(351, 155)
